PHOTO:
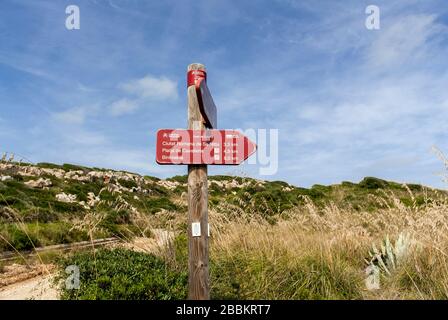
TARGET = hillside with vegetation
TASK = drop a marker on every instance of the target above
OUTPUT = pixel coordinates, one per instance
(269, 239)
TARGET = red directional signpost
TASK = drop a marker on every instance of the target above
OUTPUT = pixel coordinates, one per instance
(198, 146)
(218, 147)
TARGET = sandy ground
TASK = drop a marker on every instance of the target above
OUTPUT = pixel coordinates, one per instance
(37, 288)
(160, 241)
(18, 282)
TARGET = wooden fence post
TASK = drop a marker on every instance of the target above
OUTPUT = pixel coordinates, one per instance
(198, 281)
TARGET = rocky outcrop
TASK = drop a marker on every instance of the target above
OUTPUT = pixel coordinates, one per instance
(77, 175)
(171, 185)
(67, 198)
(108, 177)
(5, 178)
(230, 184)
(39, 183)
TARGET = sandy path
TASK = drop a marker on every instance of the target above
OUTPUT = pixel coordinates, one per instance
(37, 288)
(38, 284)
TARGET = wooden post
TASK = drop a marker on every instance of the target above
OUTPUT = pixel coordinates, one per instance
(198, 281)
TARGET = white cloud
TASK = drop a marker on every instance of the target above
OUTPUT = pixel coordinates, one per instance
(405, 39)
(84, 137)
(123, 106)
(83, 88)
(76, 115)
(142, 91)
(151, 87)
(71, 116)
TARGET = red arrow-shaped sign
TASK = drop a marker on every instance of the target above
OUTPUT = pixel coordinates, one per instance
(218, 147)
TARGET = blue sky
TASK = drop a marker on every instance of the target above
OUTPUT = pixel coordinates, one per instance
(348, 102)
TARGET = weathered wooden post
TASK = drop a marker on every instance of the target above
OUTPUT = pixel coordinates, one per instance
(198, 146)
(198, 282)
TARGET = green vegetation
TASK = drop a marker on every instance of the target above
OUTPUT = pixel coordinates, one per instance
(39, 206)
(29, 235)
(121, 274)
(270, 240)
(65, 166)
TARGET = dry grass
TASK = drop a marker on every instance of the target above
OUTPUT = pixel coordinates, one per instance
(312, 252)
(322, 253)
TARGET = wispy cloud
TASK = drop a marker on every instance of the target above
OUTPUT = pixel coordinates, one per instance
(123, 106)
(408, 39)
(141, 91)
(74, 116)
(151, 87)
(81, 136)
(25, 67)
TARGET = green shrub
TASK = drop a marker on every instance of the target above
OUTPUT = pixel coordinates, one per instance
(373, 183)
(150, 178)
(220, 178)
(121, 274)
(180, 179)
(347, 184)
(128, 183)
(180, 189)
(46, 165)
(415, 187)
(114, 219)
(56, 233)
(154, 205)
(73, 167)
(82, 189)
(42, 215)
(17, 238)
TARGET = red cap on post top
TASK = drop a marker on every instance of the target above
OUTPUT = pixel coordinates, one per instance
(194, 77)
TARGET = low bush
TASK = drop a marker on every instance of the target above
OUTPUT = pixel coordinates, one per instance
(16, 237)
(122, 274)
(180, 179)
(373, 183)
(154, 205)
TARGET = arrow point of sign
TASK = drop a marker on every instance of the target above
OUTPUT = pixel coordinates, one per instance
(251, 148)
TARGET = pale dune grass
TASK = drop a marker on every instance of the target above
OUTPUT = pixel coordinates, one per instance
(319, 253)
(316, 253)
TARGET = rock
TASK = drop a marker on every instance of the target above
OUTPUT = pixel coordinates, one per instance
(84, 205)
(96, 175)
(5, 178)
(77, 175)
(81, 178)
(67, 198)
(30, 172)
(92, 200)
(39, 183)
(58, 173)
(168, 184)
